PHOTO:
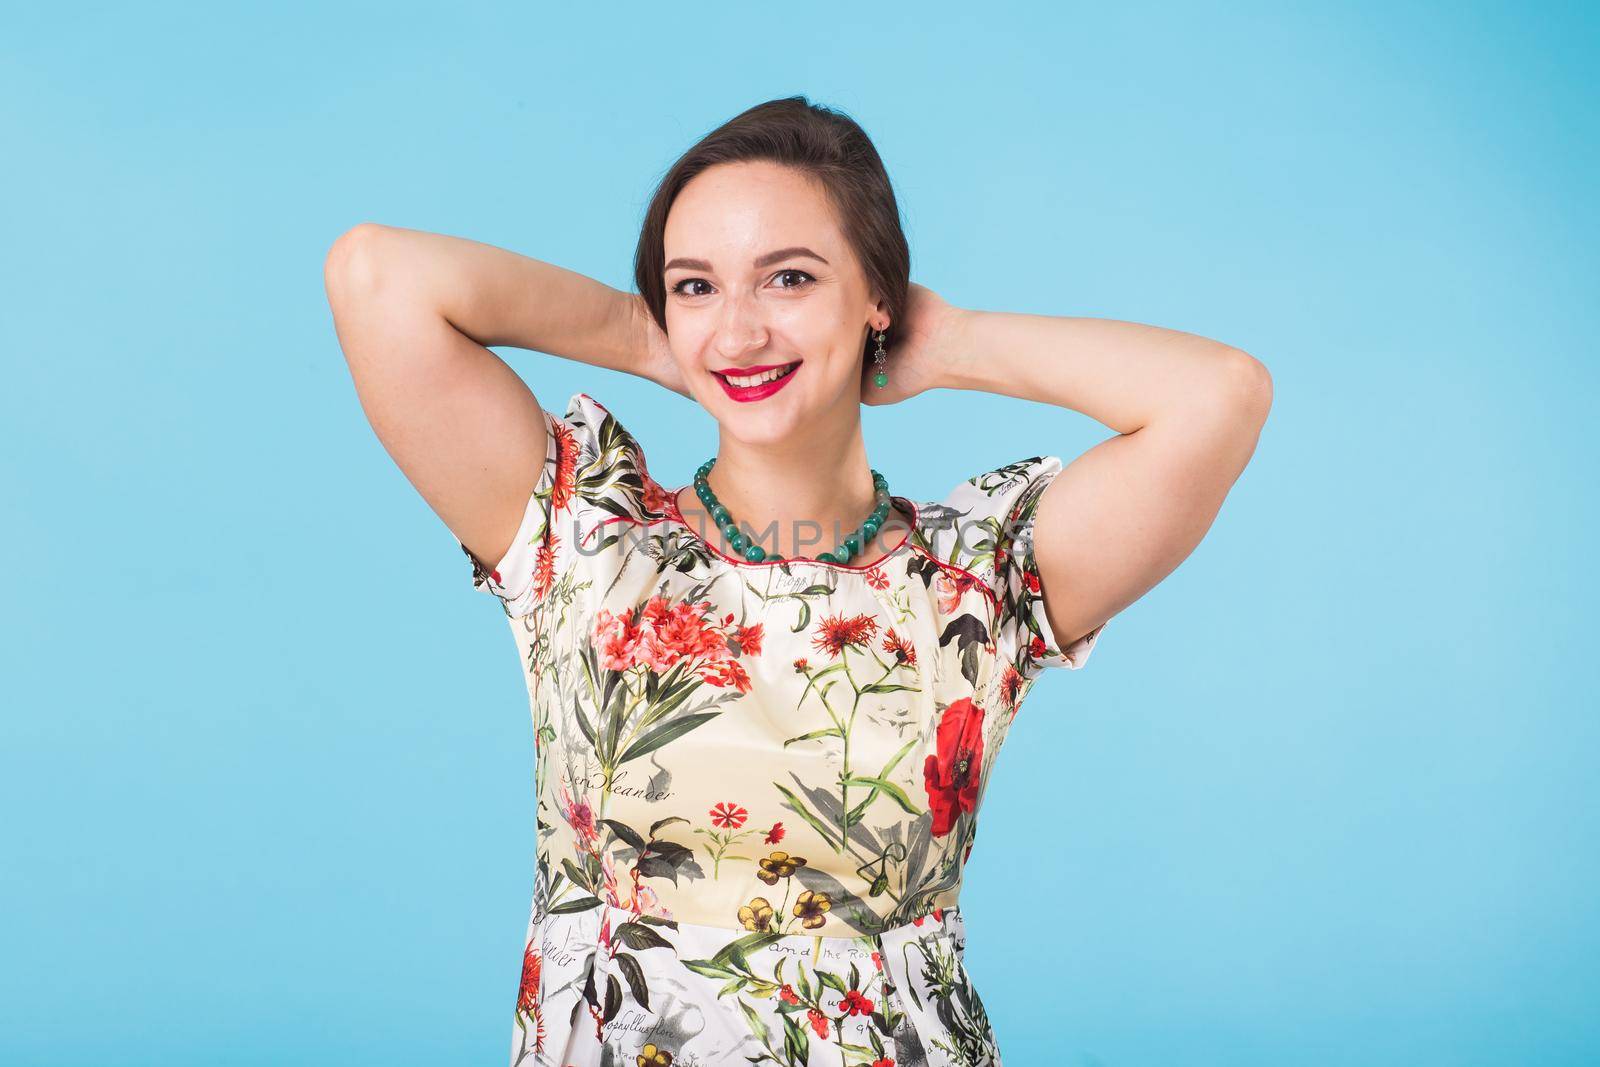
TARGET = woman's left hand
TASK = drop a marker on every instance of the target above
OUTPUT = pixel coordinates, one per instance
(921, 354)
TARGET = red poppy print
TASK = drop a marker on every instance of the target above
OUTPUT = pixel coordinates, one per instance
(950, 775)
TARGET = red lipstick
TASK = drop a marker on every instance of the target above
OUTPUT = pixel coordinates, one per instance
(758, 392)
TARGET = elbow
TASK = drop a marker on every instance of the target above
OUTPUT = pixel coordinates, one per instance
(351, 262)
(1247, 385)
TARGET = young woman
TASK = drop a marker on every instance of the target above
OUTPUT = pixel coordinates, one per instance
(766, 705)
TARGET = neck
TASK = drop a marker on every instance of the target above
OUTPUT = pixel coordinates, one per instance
(796, 499)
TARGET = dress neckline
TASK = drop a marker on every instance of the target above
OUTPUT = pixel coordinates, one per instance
(675, 514)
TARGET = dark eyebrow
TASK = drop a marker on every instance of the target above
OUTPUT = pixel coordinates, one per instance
(764, 261)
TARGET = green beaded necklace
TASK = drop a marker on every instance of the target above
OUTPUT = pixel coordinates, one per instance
(842, 553)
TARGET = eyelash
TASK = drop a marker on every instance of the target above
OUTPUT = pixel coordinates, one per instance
(678, 288)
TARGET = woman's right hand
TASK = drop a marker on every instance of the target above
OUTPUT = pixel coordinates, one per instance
(655, 360)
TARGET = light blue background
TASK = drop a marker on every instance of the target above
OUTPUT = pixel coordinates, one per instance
(1325, 796)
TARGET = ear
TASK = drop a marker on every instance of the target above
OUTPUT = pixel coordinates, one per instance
(878, 316)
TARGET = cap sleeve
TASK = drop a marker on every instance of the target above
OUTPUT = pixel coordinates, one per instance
(594, 474)
(528, 567)
(994, 514)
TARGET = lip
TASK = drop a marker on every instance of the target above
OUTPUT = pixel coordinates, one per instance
(759, 392)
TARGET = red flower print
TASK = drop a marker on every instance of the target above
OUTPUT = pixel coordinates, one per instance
(854, 1003)
(748, 638)
(655, 497)
(951, 774)
(836, 632)
(877, 579)
(566, 467)
(897, 646)
(579, 815)
(1000, 559)
(725, 674)
(1010, 686)
(775, 834)
(532, 967)
(877, 960)
(885, 1062)
(614, 640)
(726, 814)
(1037, 648)
(800, 665)
(671, 632)
(938, 914)
(667, 634)
(787, 993)
(819, 1022)
(1032, 581)
(544, 563)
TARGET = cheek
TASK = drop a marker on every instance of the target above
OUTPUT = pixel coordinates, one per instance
(688, 341)
(813, 331)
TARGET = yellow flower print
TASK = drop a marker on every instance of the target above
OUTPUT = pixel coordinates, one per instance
(779, 865)
(655, 1057)
(756, 915)
(810, 906)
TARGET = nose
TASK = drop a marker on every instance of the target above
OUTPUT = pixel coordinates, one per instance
(741, 328)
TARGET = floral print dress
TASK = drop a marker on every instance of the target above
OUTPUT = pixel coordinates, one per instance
(758, 783)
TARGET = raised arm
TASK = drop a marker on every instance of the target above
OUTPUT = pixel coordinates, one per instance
(415, 313)
(1122, 516)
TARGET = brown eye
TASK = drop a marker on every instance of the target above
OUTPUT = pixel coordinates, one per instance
(678, 289)
(800, 273)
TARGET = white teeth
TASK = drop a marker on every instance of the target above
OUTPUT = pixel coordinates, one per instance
(757, 379)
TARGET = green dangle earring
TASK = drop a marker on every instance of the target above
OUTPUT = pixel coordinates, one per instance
(881, 378)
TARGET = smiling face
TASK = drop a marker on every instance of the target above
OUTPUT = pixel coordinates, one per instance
(760, 279)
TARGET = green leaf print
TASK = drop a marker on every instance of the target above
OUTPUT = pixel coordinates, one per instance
(667, 859)
(734, 951)
(833, 981)
(627, 833)
(831, 731)
(638, 937)
(796, 1045)
(894, 791)
(665, 733)
(583, 721)
(578, 904)
(758, 1025)
(710, 970)
(636, 981)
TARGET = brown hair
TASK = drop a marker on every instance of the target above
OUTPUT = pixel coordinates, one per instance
(829, 147)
